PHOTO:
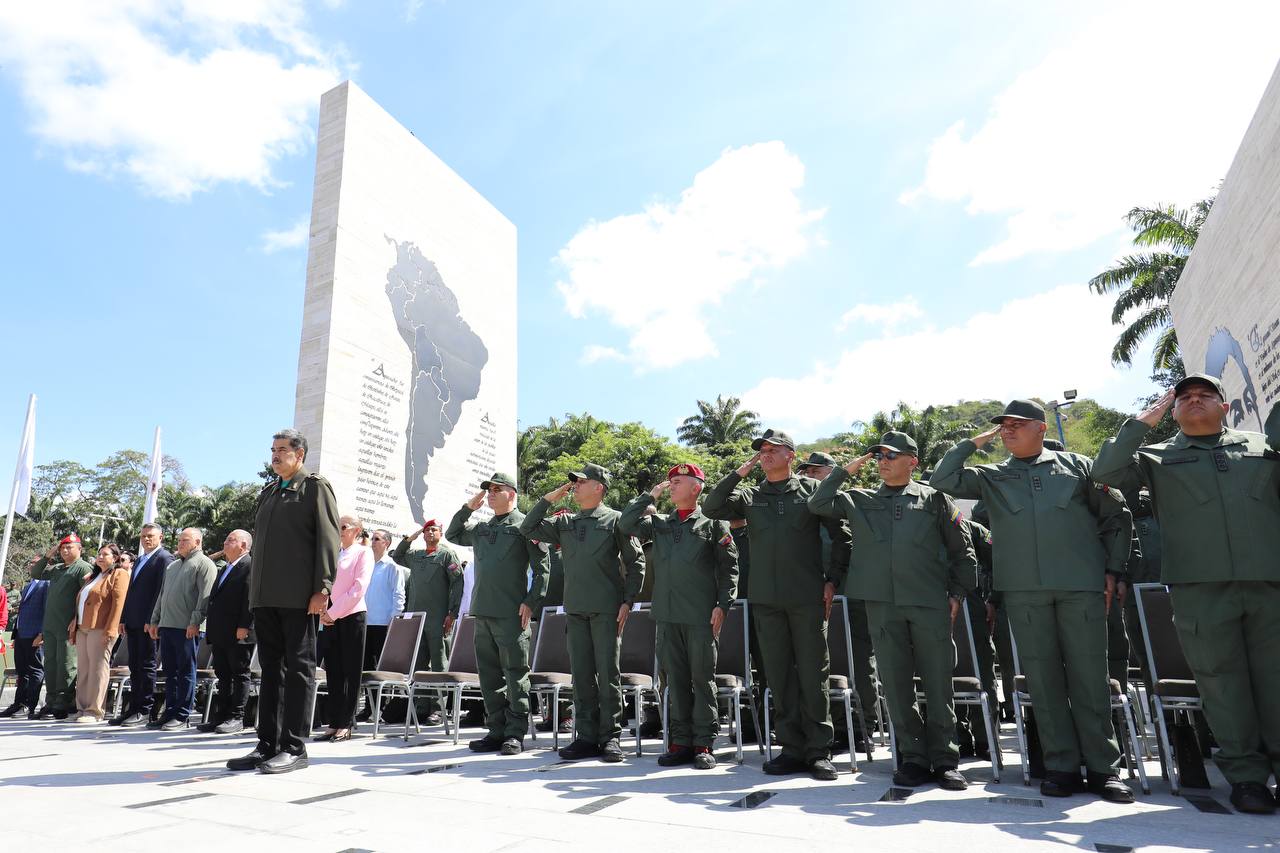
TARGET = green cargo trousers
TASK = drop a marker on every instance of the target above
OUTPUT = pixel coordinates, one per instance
(594, 646)
(502, 662)
(1230, 633)
(797, 666)
(1117, 645)
(913, 641)
(59, 674)
(864, 662)
(687, 658)
(1062, 644)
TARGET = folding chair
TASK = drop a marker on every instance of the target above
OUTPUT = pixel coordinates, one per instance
(966, 685)
(461, 675)
(549, 672)
(1173, 686)
(1119, 702)
(394, 675)
(638, 660)
(118, 675)
(206, 678)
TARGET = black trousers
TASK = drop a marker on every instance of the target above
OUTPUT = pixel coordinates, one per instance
(345, 659)
(375, 636)
(231, 666)
(142, 671)
(287, 653)
(29, 663)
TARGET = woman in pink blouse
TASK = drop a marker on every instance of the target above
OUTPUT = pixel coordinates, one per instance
(344, 623)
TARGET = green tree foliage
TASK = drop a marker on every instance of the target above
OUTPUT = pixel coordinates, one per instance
(721, 422)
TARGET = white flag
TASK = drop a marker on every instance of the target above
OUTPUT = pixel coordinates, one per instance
(153, 484)
(26, 461)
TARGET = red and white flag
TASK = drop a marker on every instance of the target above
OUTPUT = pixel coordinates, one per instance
(153, 484)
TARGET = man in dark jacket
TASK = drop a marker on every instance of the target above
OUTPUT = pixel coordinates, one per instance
(144, 586)
(296, 559)
(28, 659)
(229, 630)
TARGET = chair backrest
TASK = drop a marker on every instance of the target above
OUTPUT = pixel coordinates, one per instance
(839, 642)
(204, 654)
(639, 652)
(966, 651)
(121, 655)
(733, 657)
(551, 652)
(1164, 649)
(462, 657)
(400, 651)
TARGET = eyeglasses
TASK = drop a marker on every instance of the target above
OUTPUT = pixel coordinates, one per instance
(1013, 424)
(346, 526)
(887, 454)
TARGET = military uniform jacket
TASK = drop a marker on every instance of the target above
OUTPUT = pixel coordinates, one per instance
(1217, 499)
(435, 583)
(603, 566)
(1053, 527)
(786, 546)
(510, 570)
(909, 548)
(64, 585)
(694, 562)
(295, 542)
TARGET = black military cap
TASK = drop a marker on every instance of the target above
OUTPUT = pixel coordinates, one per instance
(1200, 379)
(592, 471)
(774, 436)
(818, 460)
(1028, 410)
(899, 441)
(499, 479)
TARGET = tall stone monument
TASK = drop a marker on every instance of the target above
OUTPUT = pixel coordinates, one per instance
(407, 367)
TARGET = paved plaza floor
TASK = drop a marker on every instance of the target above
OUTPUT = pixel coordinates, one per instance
(137, 790)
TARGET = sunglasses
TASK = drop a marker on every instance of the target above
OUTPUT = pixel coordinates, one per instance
(346, 526)
(886, 454)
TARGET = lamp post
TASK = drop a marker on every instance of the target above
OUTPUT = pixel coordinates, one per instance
(1068, 397)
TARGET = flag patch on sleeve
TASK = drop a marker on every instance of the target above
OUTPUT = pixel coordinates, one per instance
(725, 540)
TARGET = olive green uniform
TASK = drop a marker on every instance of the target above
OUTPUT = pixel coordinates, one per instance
(434, 588)
(509, 571)
(787, 578)
(864, 653)
(1055, 534)
(603, 569)
(59, 609)
(911, 550)
(695, 567)
(1218, 501)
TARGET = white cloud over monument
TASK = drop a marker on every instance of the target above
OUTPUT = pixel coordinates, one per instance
(673, 261)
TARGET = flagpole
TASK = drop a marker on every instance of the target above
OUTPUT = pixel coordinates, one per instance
(154, 479)
(28, 430)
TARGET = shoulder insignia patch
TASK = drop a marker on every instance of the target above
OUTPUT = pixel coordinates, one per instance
(725, 540)
(957, 517)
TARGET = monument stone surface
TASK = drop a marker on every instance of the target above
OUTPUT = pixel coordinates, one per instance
(1227, 304)
(407, 366)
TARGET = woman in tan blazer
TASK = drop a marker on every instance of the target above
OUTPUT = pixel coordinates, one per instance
(95, 628)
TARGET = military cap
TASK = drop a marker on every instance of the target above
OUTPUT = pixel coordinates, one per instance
(1054, 444)
(686, 469)
(430, 522)
(499, 479)
(818, 460)
(1200, 379)
(899, 441)
(774, 436)
(70, 539)
(1028, 410)
(592, 471)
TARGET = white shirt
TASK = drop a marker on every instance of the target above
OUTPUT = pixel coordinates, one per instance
(84, 594)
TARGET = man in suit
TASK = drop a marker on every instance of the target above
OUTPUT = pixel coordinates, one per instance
(229, 629)
(28, 659)
(144, 587)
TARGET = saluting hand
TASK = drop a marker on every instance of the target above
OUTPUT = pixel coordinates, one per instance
(745, 468)
(982, 439)
(476, 501)
(656, 491)
(856, 465)
(1152, 415)
(717, 622)
(558, 494)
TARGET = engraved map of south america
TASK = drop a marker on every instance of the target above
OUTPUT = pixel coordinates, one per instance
(448, 359)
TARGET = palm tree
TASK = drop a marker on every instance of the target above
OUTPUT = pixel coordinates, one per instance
(721, 422)
(934, 435)
(1145, 282)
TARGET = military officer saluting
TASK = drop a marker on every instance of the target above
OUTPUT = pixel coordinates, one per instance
(913, 564)
(603, 573)
(695, 562)
(1059, 541)
(1216, 492)
(434, 587)
(65, 576)
(510, 581)
(791, 594)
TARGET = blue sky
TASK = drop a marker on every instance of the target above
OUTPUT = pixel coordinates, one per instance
(821, 213)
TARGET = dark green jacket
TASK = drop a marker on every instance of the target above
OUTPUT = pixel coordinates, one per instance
(694, 562)
(295, 542)
(1053, 527)
(64, 585)
(504, 561)
(1217, 500)
(786, 547)
(911, 548)
(435, 583)
(603, 566)
(981, 538)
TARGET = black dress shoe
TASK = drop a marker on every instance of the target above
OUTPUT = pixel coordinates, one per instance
(580, 749)
(611, 751)
(230, 727)
(133, 721)
(323, 736)
(283, 762)
(45, 713)
(512, 746)
(155, 724)
(1109, 787)
(488, 743)
(61, 715)
(676, 755)
(248, 762)
(13, 710)
(823, 770)
(949, 779)
(1059, 784)
(207, 728)
(785, 765)
(1252, 798)
(911, 775)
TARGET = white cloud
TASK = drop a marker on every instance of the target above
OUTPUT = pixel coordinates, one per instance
(592, 353)
(1138, 107)
(177, 95)
(1034, 346)
(656, 273)
(886, 317)
(290, 238)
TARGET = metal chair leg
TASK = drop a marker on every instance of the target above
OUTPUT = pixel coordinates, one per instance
(993, 740)
(768, 743)
(848, 727)
(1162, 732)
(1022, 739)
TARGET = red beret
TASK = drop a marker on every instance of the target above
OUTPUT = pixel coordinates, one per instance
(70, 538)
(430, 522)
(687, 469)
